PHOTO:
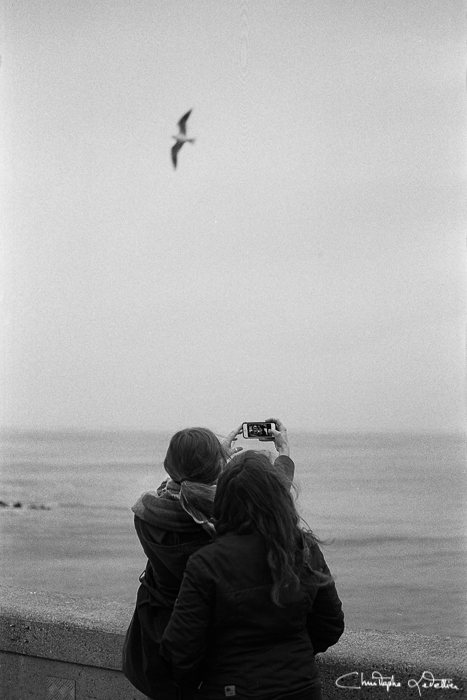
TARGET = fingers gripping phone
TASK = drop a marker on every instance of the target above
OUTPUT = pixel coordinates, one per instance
(260, 429)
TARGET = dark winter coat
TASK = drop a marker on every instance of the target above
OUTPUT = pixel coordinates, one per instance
(227, 634)
(169, 536)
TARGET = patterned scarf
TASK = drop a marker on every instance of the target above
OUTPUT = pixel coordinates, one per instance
(163, 509)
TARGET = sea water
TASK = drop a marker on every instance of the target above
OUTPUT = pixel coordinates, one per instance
(389, 508)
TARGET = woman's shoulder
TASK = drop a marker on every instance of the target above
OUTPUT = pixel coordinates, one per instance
(167, 536)
(230, 550)
(164, 512)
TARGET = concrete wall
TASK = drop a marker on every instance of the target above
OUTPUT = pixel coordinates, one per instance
(59, 647)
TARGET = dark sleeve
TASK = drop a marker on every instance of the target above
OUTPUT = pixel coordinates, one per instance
(325, 622)
(285, 466)
(184, 641)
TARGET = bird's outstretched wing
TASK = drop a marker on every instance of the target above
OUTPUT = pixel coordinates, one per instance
(182, 123)
(175, 149)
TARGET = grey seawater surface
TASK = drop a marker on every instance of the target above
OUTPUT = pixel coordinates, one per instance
(391, 509)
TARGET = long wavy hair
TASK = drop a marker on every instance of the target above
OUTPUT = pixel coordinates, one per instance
(195, 458)
(252, 497)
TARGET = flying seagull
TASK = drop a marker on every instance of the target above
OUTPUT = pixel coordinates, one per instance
(181, 138)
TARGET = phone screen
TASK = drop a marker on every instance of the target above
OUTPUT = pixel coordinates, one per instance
(257, 430)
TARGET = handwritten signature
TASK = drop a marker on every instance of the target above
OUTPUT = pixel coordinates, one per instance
(426, 680)
(431, 682)
(376, 680)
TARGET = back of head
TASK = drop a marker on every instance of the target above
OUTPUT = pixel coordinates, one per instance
(195, 454)
(252, 497)
(195, 459)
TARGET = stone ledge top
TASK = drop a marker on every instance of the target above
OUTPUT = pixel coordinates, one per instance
(104, 614)
(90, 631)
(71, 628)
(407, 651)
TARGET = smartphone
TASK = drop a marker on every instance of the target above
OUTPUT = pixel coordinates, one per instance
(260, 429)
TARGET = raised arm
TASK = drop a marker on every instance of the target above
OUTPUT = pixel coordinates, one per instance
(283, 463)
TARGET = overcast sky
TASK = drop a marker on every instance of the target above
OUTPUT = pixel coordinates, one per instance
(306, 260)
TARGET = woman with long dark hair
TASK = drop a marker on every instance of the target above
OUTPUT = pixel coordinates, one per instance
(172, 523)
(259, 602)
